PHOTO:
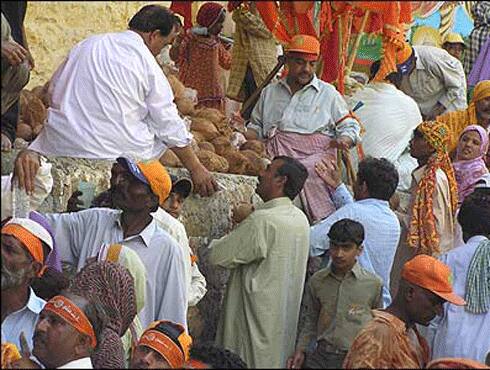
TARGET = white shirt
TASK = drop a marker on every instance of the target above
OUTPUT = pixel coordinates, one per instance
(81, 363)
(24, 320)
(196, 282)
(381, 229)
(459, 333)
(110, 99)
(80, 236)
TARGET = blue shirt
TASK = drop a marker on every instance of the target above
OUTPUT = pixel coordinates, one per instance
(24, 320)
(381, 234)
(459, 333)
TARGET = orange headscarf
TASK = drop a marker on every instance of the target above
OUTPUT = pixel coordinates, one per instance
(459, 120)
(423, 233)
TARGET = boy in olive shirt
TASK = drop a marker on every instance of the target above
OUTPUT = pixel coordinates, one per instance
(338, 300)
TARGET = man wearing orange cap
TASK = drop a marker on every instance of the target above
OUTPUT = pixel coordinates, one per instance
(433, 78)
(305, 118)
(390, 339)
(163, 345)
(25, 247)
(142, 187)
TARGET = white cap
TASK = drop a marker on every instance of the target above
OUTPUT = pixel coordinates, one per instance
(35, 229)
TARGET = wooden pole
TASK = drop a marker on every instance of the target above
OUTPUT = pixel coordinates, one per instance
(357, 42)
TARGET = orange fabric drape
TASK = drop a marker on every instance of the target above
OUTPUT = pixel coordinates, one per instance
(184, 8)
(269, 12)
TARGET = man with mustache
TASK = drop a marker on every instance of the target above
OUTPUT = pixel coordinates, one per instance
(25, 247)
(390, 339)
(267, 255)
(305, 118)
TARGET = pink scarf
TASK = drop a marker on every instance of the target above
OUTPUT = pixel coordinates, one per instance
(470, 171)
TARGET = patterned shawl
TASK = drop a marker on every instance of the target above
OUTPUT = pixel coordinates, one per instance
(423, 233)
(457, 121)
(478, 282)
(468, 172)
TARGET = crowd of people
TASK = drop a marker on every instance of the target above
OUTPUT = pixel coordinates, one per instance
(323, 274)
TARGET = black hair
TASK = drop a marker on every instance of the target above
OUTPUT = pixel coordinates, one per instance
(154, 17)
(171, 330)
(50, 284)
(346, 231)
(380, 176)
(474, 214)
(394, 77)
(296, 173)
(216, 357)
(92, 308)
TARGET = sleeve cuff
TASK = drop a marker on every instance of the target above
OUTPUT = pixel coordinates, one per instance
(342, 196)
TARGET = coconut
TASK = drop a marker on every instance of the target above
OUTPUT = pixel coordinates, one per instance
(177, 86)
(221, 144)
(185, 106)
(36, 130)
(24, 131)
(211, 114)
(169, 159)
(256, 145)
(255, 164)
(238, 163)
(198, 137)
(205, 127)
(212, 161)
(206, 145)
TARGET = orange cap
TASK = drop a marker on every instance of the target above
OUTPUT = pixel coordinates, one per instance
(158, 178)
(429, 273)
(304, 44)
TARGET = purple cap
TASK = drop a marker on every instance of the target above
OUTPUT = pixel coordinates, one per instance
(133, 168)
(53, 260)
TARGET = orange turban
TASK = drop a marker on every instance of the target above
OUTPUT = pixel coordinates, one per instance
(481, 91)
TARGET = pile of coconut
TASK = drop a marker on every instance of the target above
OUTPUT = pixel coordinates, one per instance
(33, 112)
(218, 147)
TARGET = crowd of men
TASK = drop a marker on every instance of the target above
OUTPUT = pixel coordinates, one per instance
(322, 274)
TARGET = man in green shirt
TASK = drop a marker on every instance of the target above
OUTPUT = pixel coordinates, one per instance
(267, 255)
(338, 300)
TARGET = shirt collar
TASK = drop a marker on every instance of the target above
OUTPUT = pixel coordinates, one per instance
(477, 239)
(374, 201)
(34, 304)
(147, 233)
(276, 202)
(356, 270)
(315, 83)
(418, 61)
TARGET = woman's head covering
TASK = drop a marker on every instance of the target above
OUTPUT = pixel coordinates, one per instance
(468, 172)
(209, 13)
(113, 286)
(423, 234)
(53, 260)
(481, 91)
(128, 258)
(455, 363)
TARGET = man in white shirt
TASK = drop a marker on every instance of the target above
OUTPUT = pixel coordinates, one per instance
(138, 192)
(110, 98)
(25, 247)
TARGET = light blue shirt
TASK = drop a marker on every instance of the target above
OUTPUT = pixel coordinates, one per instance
(381, 234)
(80, 235)
(459, 333)
(23, 320)
(316, 108)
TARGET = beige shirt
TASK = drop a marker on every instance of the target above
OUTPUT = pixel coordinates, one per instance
(438, 77)
(441, 205)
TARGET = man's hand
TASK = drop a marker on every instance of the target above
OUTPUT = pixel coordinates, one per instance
(342, 142)
(74, 202)
(296, 360)
(6, 143)
(241, 212)
(328, 172)
(436, 111)
(13, 52)
(26, 166)
(204, 182)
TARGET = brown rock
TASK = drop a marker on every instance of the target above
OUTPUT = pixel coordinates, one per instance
(212, 161)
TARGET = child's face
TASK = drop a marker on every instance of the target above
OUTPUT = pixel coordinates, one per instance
(469, 146)
(344, 256)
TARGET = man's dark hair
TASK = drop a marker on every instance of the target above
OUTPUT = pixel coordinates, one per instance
(92, 308)
(394, 77)
(171, 330)
(474, 214)
(346, 231)
(217, 358)
(380, 176)
(154, 17)
(296, 173)
(50, 284)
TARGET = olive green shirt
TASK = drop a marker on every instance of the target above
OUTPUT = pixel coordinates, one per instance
(337, 308)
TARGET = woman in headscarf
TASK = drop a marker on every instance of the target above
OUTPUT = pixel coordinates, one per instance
(434, 191)
(113, 286)
(201, 56)
(477, 113)
(128, 258)
(469, 166)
